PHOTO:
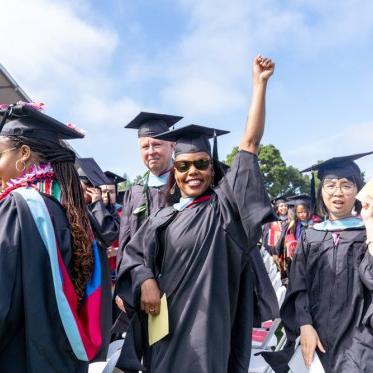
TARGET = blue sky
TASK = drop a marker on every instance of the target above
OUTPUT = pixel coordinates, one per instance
(98, 63)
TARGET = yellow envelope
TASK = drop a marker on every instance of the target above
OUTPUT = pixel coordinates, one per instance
(367, 191)
(158, 325)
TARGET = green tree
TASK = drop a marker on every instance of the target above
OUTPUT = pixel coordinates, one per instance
(278, 177)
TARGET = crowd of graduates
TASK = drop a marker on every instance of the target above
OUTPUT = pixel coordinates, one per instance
(85, 267)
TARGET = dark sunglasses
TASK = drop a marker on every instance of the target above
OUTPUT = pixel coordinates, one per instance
(199, 164)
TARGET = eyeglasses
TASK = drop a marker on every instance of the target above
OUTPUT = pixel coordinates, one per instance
(347, 188)
(199, 164)
(8, 150)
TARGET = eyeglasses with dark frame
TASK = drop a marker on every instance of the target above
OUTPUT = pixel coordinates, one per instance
(347, 187)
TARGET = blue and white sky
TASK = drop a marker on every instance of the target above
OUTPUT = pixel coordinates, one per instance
(98, 63)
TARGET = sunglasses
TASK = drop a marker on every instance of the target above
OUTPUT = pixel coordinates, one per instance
(199, 164)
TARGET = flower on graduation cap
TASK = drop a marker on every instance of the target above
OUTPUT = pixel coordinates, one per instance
(35, 105)
(75, 128)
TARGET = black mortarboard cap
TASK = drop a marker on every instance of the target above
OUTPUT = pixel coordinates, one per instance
(152, 124)
(299, 199)
(279, 199)
(23, 119)
(193, 139)
(89, 170)
(338, 167)
(114, 178)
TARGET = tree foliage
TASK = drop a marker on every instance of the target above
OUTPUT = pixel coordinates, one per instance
(279, 178)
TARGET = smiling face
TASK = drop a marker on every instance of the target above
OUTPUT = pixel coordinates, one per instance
(339, 197)
(156, 154)
(194, 182)
(282, 209)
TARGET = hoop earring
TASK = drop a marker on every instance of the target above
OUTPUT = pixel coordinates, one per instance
(23, 165)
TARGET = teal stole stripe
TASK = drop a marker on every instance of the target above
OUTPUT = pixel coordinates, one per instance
(339, 225)
(44, 225)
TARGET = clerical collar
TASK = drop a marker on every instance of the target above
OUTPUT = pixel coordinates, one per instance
(339, 225)
(158, 181)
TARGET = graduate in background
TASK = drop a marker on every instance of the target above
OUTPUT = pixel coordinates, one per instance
(197, 251)
(105, 225)
(149, 194)
(50, 292)
(272, 231)
(291, 232)
(331, 277)
(111, 198)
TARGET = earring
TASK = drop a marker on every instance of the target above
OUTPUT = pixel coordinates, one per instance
(23, 165)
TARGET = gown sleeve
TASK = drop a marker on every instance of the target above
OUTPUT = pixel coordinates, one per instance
(10, 241)
(366, 277)
(366, 270)
(135, 265)
(125, 224)
(295, 309)
(105, 223)
(243, 192)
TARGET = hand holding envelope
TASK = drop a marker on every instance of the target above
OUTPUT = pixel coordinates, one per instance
(158, 327)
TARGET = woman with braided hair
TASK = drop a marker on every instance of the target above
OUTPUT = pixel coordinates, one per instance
(50, 271)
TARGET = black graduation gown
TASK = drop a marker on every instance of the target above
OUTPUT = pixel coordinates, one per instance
(131, 221)
(32, 338)
(105, 225)
(326, 289)
(201, 258)
(265, 299)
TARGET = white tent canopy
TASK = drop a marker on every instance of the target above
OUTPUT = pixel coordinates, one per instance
(10, 91)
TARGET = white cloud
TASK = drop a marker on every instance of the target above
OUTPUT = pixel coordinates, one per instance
(357, 138)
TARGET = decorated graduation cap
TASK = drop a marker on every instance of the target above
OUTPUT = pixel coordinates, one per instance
(152, 124)
(89, 171)
(26, 119)
(193, 139)
(335, 168)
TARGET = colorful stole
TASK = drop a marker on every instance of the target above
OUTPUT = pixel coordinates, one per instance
(187, 202)
(339, 225)
(82, 325)
(40, 177)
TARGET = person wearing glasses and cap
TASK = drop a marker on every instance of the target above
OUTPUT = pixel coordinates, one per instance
(197, 251)
(331, 276)
(50, 285)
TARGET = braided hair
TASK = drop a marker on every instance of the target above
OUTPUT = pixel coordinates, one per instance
(62, 160)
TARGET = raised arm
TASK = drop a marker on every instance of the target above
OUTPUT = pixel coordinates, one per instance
(262, 70)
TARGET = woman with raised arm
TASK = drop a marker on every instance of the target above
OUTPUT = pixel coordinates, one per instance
(197, 252)
(50, 293)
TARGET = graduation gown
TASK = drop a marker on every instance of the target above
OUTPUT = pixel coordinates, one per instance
(105, 225)
(132, 219)
(330, 288)
(32, 338)
(201, 259)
